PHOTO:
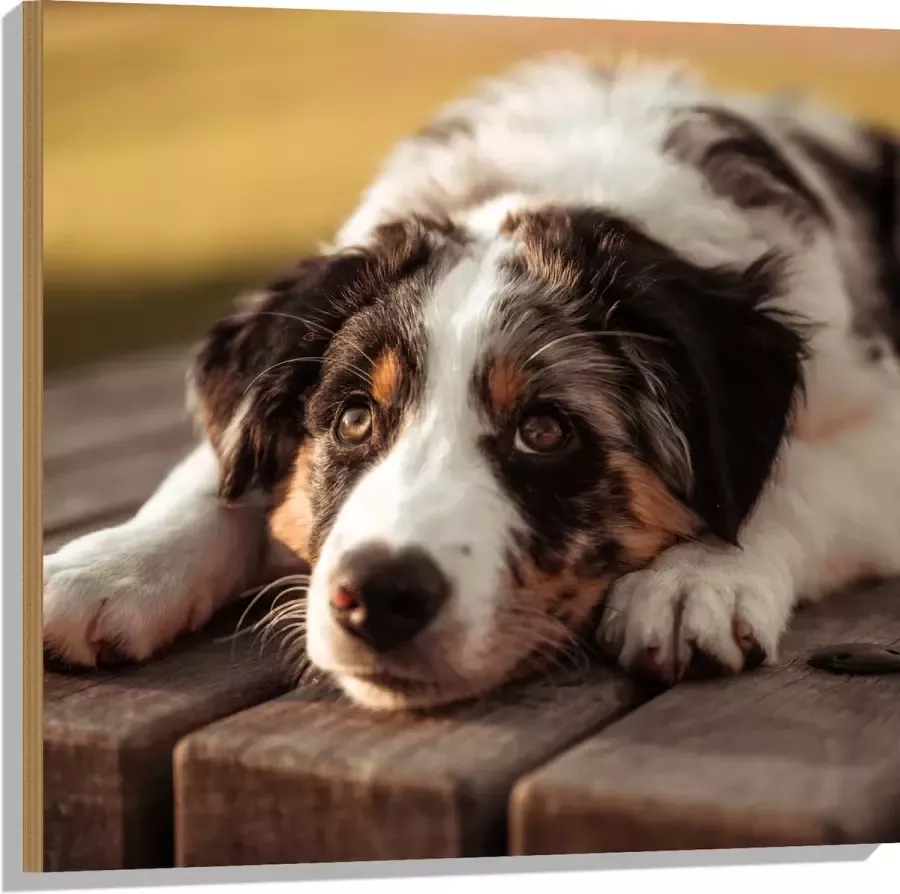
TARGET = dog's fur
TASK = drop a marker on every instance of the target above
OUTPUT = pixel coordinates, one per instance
(699, 294)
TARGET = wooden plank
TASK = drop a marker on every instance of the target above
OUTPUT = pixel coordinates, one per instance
(112, 485)
(108, 740)
(100, 439)
(780, 756)
(324, 781)
(113, 404)
(118, 379)
(112, 433)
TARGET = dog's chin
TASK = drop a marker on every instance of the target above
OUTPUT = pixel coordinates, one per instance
(381, 691)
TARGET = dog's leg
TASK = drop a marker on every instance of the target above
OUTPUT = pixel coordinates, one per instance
(137, 586)
(831, 515)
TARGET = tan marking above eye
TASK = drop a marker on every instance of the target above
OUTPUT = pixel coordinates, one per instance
(386, 377)
(505, 383)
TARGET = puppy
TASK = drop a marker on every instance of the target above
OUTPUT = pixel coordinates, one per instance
(594, 338)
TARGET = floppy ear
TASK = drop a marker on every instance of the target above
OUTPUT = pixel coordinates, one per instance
(732, 370)
(252, 372)
(727, 368)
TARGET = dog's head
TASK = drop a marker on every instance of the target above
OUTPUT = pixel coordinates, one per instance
(469, 438)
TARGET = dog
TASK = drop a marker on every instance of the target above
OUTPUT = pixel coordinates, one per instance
(601, 353)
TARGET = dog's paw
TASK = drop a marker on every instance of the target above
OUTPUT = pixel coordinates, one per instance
(696, 608)
(119, 592)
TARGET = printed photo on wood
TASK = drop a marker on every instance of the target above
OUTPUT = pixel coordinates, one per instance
(459, 436)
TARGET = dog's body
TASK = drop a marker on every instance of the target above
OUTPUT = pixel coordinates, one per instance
(593, 337)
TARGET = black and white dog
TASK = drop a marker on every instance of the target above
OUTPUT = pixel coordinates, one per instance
(593, 338)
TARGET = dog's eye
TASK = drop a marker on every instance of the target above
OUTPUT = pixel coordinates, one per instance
(540, 433)
(355, 424)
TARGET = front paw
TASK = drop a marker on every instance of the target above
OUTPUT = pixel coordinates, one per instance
(117, 592)
(697, 608)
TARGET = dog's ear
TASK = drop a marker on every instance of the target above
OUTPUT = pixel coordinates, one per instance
(251, 373)
(731, 371)
(254, 371)
(723, 369)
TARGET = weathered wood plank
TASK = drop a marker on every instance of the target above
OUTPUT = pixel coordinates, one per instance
(107, 438)
(323, 781)
(112, 485)
(111, 404)
(781, 756)
(112, 433)
(108, 740)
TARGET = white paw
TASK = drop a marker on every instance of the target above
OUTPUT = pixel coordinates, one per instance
(696, 603)
(123, 589)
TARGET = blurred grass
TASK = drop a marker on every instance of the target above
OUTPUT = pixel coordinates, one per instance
(189, 150)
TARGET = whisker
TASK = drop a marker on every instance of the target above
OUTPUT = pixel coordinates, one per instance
(283, 631)
(233, 637)
(314, 324)
(289, 643)
(292, 610)
(281, 363)
(305, 321)
(302, 578)
(607, 333)
(608, 366)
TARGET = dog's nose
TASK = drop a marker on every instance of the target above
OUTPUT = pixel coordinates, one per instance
(384, 597)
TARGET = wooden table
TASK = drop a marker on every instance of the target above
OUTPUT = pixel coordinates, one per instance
(203, 757)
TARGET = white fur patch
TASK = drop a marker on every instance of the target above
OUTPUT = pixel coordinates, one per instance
(139, 585)
(434, 489)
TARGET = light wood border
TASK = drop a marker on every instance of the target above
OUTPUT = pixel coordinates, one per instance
(32, 425)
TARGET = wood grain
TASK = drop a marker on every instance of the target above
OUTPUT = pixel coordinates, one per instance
(108, 740)
(112, 432)
(112, 404)
(780, 756)
(114, 484)
(306, 779)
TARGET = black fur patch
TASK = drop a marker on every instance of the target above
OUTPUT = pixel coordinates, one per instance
(873, 192)
(741, 163)
(730, 367)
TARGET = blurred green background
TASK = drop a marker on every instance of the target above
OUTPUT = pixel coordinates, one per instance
(189, 150)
